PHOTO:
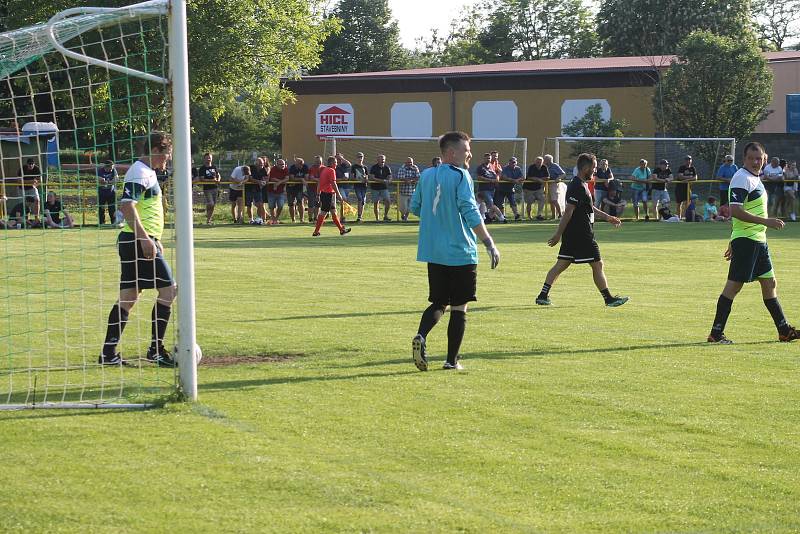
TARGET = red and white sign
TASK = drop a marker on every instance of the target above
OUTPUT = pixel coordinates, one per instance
(335, 119)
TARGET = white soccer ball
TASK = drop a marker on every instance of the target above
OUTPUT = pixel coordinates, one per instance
(198, 353)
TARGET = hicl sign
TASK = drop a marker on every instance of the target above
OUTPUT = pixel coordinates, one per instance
(335, 119)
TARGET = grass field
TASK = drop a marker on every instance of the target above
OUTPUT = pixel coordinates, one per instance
(572, 418)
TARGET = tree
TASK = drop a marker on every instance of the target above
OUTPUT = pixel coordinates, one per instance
(655, 27)
(592, 124)
(514, 30)
(717, 87)
(236, 49)
(777, 21)
(369, 40)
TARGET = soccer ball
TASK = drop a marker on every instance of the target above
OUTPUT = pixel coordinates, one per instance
(198, 353)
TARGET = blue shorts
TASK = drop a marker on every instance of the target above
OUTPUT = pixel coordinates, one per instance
(750, 260)
(276, 200)
(639, 195)
(381, 194)
(361, 193)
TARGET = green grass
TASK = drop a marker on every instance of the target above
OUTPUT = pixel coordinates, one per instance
(572, 418)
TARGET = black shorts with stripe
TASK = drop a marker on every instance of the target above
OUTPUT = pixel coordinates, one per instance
(138, 272)
(327, 202)
(750, 260)
(583, 250)
(452, 285)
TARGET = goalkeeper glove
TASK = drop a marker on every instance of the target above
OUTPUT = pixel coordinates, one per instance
(494, 254)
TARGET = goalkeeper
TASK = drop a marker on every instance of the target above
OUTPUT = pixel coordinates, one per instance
(141, 254)
(449, 221)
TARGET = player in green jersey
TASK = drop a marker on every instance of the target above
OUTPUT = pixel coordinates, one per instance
(141, 255)
(747, 250)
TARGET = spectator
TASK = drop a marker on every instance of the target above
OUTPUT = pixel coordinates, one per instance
(254, 190)
(724, 175)
(691, 210)
(603, 176)
(380, 175)
(489, 211)
(278, 176)
(790, 176)
(710, 212)
(487, 178)
(209, 176)
(556, 174)
(294, 192)
(236, 193)
(613, 202)
(107, 192)
(495, 165)
(435, 162)
(773, 175)
(661, 178)
(312, 182)
(31, 175)
(686, 173)
(641, 176)
(343, 177)
(162, 177)
(667, 216)
(511, 175)
(533, 187)
(408, 175)
(361, 176)
(53, 211)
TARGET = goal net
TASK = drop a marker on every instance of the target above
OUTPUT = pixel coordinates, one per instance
(625, 153)
(84, 88)
(421, 149)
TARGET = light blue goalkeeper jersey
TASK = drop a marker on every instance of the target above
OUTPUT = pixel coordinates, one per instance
(445, 203)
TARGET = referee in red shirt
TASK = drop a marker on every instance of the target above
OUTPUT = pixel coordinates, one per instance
(327, 202)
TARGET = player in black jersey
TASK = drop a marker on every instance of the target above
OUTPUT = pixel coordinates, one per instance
(577, 236)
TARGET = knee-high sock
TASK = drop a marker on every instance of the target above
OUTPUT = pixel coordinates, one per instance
(721, 318)
(160, 317)
(117, 320)
(429, 319)
(336, 221)
(455, 334)
(776, 312)
(320, 220)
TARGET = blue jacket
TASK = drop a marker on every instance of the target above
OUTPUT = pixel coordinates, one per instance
(445, 203)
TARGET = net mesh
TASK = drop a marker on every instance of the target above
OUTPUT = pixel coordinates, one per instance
(68, 117)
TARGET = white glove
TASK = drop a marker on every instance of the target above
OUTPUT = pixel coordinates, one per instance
(494, 254)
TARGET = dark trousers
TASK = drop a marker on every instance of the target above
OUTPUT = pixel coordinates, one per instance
(106, 198)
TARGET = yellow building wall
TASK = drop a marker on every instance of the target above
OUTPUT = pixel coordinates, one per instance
(539, 113)
(786, 81)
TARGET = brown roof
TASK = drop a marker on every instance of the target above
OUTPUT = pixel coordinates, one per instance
(586, 65)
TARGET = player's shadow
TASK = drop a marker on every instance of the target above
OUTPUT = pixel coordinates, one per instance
(371, 314)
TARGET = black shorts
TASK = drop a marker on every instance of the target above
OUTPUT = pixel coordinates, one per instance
(252, 193)
(327, 202)
(681, 193)
(749, 260)
(583, 250)
(138, 272)
(294, 194)
(234, 195)
(452, 285)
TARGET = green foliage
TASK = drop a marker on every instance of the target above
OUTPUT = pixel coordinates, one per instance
(655, 27)
(592, 124)
(777, 22)
(514, 30)
(369, 39)
(718, 87)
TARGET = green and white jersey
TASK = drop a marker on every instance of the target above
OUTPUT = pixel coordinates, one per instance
(747, 191)
(141, 187)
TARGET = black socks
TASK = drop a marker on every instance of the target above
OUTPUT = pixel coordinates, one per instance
(455, 334)
(606, 295)
(429, 319)
(545, 291)
(160, 317)
(117, 320)
(721, 318)
(778, 317)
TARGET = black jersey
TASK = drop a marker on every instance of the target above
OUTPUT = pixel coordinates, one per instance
(580, 224)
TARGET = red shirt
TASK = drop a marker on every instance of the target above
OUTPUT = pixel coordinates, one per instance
(313, 172)
(276, 174)
(327, 179)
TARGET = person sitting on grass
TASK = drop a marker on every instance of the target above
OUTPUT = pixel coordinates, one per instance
(613, 203)
(666, 215)
(710, 210)
(53, 211)
(489, 211)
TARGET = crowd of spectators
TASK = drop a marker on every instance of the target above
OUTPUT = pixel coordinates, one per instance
(504, 191)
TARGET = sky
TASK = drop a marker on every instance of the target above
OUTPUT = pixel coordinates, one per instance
(418, 17)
